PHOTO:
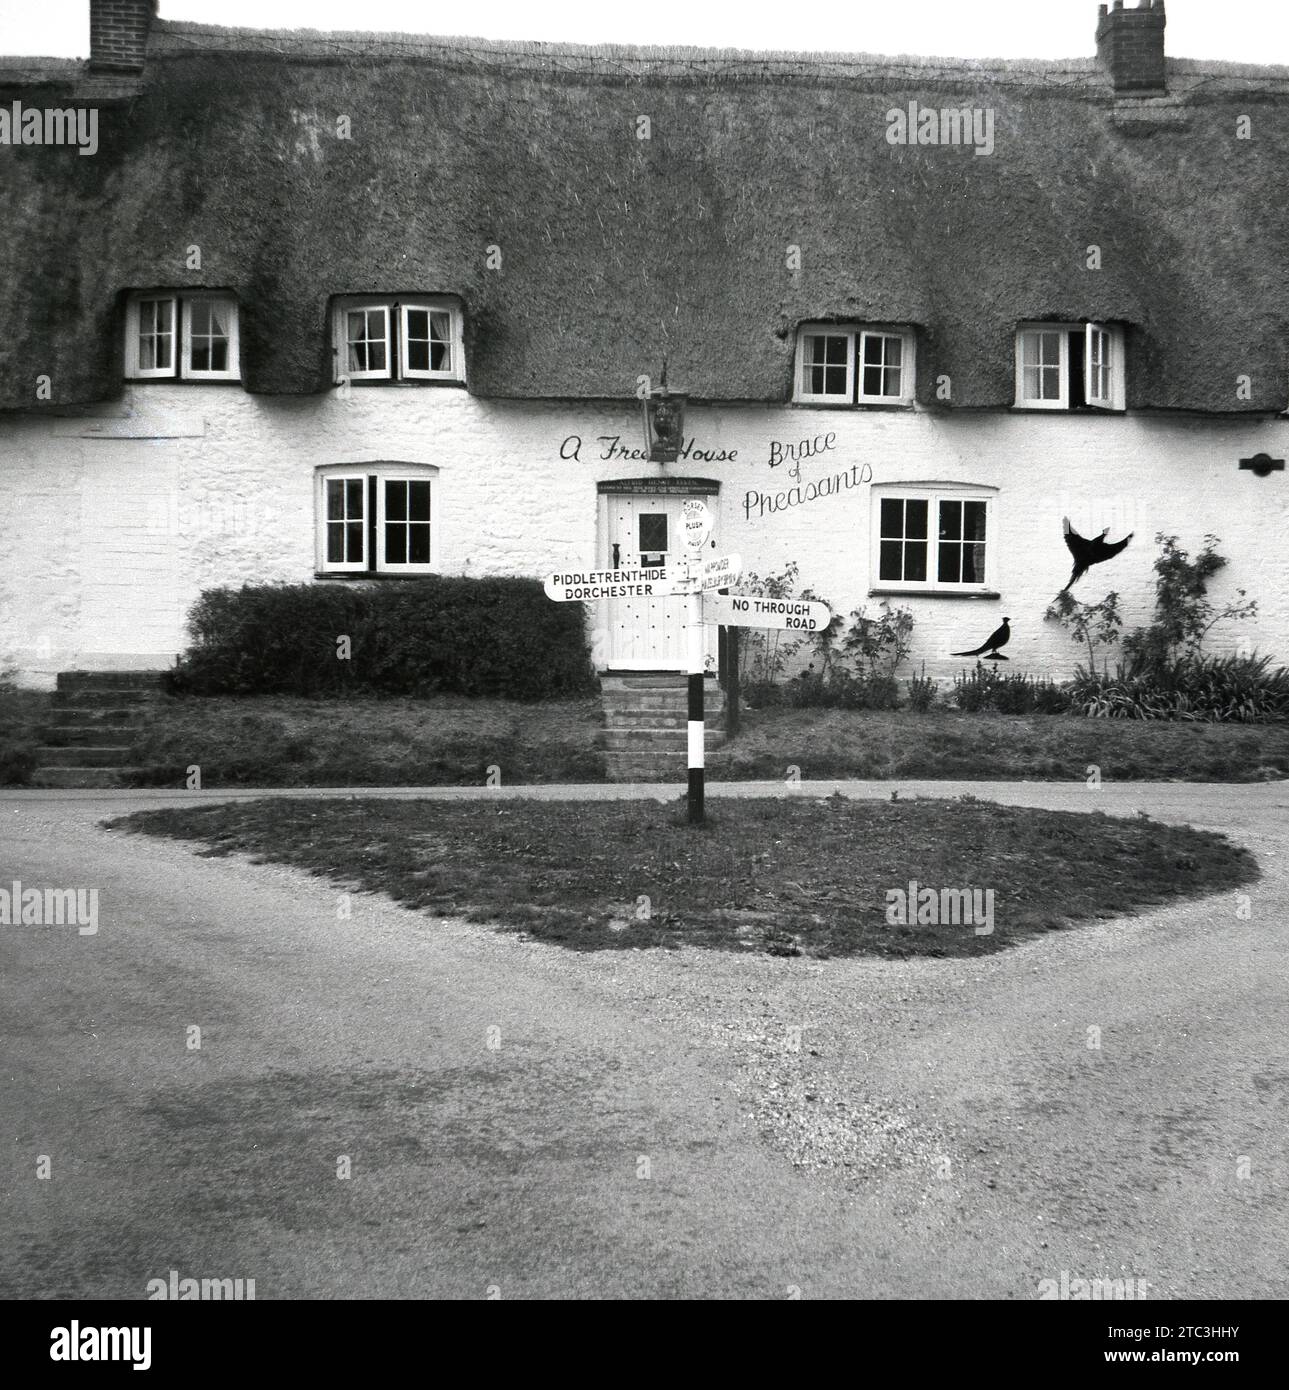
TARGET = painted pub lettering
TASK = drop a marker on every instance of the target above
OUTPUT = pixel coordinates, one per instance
(796, 454)
(613, 448)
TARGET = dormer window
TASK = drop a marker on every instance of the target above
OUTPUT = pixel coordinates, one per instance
(181, 336)
(1063, 366)
(854, 364)
(411, 338)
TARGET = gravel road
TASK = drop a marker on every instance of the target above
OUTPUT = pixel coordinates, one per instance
(1110, 1101)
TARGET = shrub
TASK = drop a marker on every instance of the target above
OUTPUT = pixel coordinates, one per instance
(1184, 614)
(986, 688)
(437, 635)
(17, 763)
(922, 692)
(1228, 689)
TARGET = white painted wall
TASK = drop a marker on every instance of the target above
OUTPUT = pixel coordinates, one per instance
(108, 540)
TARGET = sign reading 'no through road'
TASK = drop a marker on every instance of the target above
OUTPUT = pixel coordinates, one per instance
(734, 610)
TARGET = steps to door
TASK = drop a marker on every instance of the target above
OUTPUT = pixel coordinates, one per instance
(646, 725)
(96, 716)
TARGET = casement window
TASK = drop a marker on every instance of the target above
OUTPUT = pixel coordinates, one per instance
(1061, 366)
(181, 336)
(843, 364)
(413, 338)
(932, 540)
(377, 518)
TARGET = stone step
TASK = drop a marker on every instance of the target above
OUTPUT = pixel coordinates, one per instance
(83, 756)
(109, 680)
(647, 767)
(656, 740)
(643, 719)
(74, 715)
(81, 777)
(102, 734)
(665, 680)
(712, 701)
(103, 697)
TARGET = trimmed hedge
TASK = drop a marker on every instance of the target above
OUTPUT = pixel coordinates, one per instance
(437, 635)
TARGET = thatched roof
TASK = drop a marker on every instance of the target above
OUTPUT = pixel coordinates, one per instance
(616, 251)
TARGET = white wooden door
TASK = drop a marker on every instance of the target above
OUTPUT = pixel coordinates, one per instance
(644, 634)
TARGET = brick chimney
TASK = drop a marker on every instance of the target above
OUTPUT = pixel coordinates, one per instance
(1130, 46)
(119, 34)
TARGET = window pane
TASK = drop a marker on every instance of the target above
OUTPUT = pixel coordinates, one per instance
(418, 355)
(335, 499)
(354, 488)
(950, 563)
(890, 566)
(950, 521)
(872, 385)
(354, 541)
(653, 531)
(973, 521)
(418, 501)
(973, 564)
(915, 561)
(419, 550)
(396, 544)
(396, 501)
(892, 517)
(915, 518)
(335, 542)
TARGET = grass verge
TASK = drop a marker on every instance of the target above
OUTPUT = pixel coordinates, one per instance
(287, 742)
(789, 876)
(998, 747)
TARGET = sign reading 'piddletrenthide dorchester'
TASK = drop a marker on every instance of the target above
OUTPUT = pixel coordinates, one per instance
(580, 586)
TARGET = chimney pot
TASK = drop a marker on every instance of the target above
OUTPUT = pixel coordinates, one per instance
(1130, 47)
(119, 34)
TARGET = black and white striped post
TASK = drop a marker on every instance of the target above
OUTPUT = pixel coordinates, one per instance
(696, 650)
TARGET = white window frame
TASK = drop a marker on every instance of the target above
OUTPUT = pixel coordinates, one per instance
(1098, 339)
(933, 495)
(455, 346)
(1095, 336)
(398, 475)
(906, 366)
(831, 330)
(1062, 331)
(372, 306)
(383, 471)
(856, 334)
(395, 309)
(188, 373)
(341, 474)
(133, 369)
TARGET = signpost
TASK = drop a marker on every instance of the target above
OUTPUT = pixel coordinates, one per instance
(698, 527)
(584, 586)
(720, 573)
(695, 579)
(740, 610)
